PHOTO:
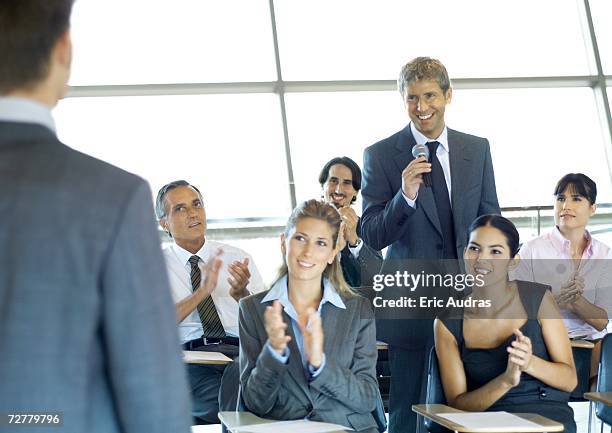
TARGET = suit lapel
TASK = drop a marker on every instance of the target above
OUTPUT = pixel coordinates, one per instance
(425, 197)
(331, 330)
(460, 159)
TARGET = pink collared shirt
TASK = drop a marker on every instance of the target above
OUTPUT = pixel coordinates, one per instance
(547, 260)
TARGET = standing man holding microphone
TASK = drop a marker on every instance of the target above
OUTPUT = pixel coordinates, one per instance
(418, 221)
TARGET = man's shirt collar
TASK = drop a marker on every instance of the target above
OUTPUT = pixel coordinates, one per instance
(22, 110)
(184, 255)
(421, 139)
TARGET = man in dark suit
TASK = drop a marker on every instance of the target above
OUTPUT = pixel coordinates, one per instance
(87, 324)
(418, 221)
(340, 180)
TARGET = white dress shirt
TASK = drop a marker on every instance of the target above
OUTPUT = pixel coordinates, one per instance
(442, 152)
(179, 272)
(24, 110)
(547, 259)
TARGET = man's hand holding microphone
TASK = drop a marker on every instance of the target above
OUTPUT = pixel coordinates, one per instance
(417, 172)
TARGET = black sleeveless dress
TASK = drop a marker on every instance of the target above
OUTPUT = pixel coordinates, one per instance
(483, 365)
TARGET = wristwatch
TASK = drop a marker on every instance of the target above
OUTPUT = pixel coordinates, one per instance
(357, 244)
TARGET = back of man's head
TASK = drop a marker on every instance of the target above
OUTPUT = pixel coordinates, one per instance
(30, 30)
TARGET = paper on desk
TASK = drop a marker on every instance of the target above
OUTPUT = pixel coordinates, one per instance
(205, 356)
(489, 420)
(580, 333)
(297, 426)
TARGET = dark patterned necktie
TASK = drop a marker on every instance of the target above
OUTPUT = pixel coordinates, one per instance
(443, 205)
(211, 323)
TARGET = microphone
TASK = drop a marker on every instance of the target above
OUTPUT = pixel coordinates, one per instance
(422, 150)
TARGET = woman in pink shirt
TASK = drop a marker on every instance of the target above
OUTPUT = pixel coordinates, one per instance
(572, 262)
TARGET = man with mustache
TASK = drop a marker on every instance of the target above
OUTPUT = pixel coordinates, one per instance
(340, 180)
(207, 313)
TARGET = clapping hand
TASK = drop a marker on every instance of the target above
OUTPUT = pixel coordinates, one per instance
(211, 273)
(313, 338)
(520, 351)
(350, 220)
(512, 375)
(570, 292)
(519, 358)
(239, 278)
(276, 328)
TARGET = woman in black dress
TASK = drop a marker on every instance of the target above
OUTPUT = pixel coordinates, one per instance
(515, 355)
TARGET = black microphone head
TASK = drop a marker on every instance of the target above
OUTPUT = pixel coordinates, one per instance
(420, 150)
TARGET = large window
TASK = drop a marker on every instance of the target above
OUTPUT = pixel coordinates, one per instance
(602, 10)
(536, 138)
(184, 41)
(215, 141)
(325, 125)
(357, 39)
(191, 89)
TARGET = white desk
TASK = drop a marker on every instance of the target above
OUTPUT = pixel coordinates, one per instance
(234, 420)
(432, 411)
(197, 357)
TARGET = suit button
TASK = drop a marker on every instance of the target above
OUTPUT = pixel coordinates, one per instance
(543, 394)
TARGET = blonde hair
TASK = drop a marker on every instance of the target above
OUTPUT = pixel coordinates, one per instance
(321, 211)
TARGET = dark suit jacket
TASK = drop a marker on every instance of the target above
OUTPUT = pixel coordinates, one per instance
(87, 324)
(360, 271)
(388, 221)
(346, 390)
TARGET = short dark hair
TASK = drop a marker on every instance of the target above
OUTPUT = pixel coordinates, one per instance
(580, 183)
(423, 68)
(502, 224)
(348, 163)
(160, 201)
(30, 29)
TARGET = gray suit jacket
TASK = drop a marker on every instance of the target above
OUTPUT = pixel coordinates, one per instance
(87, 325)
(346, 390)
(388, 221)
